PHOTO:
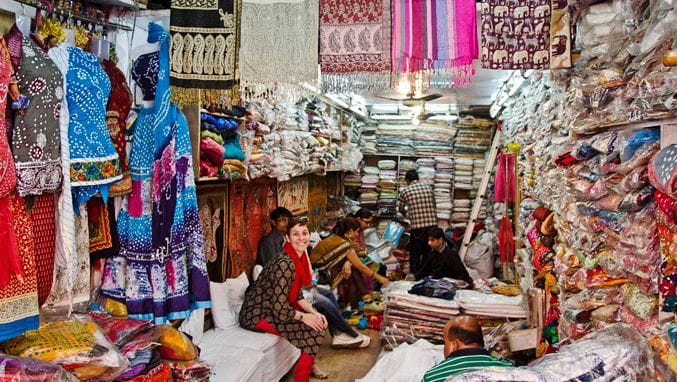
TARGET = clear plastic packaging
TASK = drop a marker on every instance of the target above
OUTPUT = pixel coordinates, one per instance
(17, 369)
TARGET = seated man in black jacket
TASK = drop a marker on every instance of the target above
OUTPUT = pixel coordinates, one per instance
(443, 261)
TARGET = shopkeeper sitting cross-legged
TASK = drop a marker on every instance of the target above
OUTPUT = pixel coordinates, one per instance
(463, 350)
(443, 260)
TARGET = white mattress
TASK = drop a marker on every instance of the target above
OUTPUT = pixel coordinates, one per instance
(241, 355)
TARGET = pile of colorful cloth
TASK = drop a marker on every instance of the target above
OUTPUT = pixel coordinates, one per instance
(387, 184)
(409, 317)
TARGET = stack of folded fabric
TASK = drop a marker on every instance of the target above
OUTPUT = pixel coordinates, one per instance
(426, 170)
(408, 317)
(473, 138)
(387, 185)
(395, 139)
(444, 174)
(405, 165)
(461, 211)
(463, 173)
(369, 139)
(352, 179)
(369, 195)
(491, 304)
(220, 141)
(478, 172)
(434, 138)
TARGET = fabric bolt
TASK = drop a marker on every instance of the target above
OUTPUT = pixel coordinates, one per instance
(268, 299)
(35, 135)
(437, 36)
(117, 109)
(355, 45)
(516, 34)
(204, 50)
(94, 163)
(161, 273)
(279, 46)
(43, 219)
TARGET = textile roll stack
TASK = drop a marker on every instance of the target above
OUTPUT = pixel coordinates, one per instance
(476, 303)
(370, 179)
(352, 180)
(408, 315)
(387, 184)
(369, 139)
(434, 139)
(395, 139)
(444, 175)
(406, 165)
(473, 138)
(426, 170)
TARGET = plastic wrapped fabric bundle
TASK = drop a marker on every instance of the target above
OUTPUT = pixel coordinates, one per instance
(614, 353)
(31, 370)
(405, 363)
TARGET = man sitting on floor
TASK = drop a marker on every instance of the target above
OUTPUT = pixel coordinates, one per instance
(463, 350)
(443, 261)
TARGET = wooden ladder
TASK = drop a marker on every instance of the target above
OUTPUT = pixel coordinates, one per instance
(477, 205)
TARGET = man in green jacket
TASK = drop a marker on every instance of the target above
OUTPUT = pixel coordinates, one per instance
(463, 350)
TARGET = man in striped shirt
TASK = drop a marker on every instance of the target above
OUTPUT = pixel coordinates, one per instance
(463, 350)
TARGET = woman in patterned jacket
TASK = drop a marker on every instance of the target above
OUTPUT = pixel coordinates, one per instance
(275, 303)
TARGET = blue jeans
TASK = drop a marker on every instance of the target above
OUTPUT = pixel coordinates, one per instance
(325, 302)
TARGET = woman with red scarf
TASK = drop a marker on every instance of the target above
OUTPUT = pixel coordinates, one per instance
(274, 303)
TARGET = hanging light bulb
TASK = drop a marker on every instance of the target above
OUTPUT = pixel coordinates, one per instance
(404, 86)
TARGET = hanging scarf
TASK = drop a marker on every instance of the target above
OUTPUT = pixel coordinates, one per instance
(355, 45)
(437, 38)
(205, 36)
(279, 47)
(10, 262)
(117, 110)
(302, 274)
(523, 34)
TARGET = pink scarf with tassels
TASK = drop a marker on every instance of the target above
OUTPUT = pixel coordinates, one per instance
(436, 37)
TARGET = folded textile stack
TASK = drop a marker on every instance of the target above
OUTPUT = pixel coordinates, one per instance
(369, 139)
(420, 316)
(405, 165)
(478, 172)
(426, 170)
(352, 179)
(463, 173)
(473, 138)
(461, 211)
(444, 175)
(490, 305)
(387, 184)
(220, 142)
(434, 139)
(395, 139)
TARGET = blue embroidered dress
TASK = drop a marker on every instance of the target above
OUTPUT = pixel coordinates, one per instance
(94, 163)
(161, 273)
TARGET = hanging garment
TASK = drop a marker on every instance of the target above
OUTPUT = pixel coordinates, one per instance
(438, 37)
(94, 163)
(279, 46)
(43, 219)
(103, 230)
(161, 271)
(204, 50)
(35, 136)
(117, 110)
(523, 34)
(355, 45)
(504, 189)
